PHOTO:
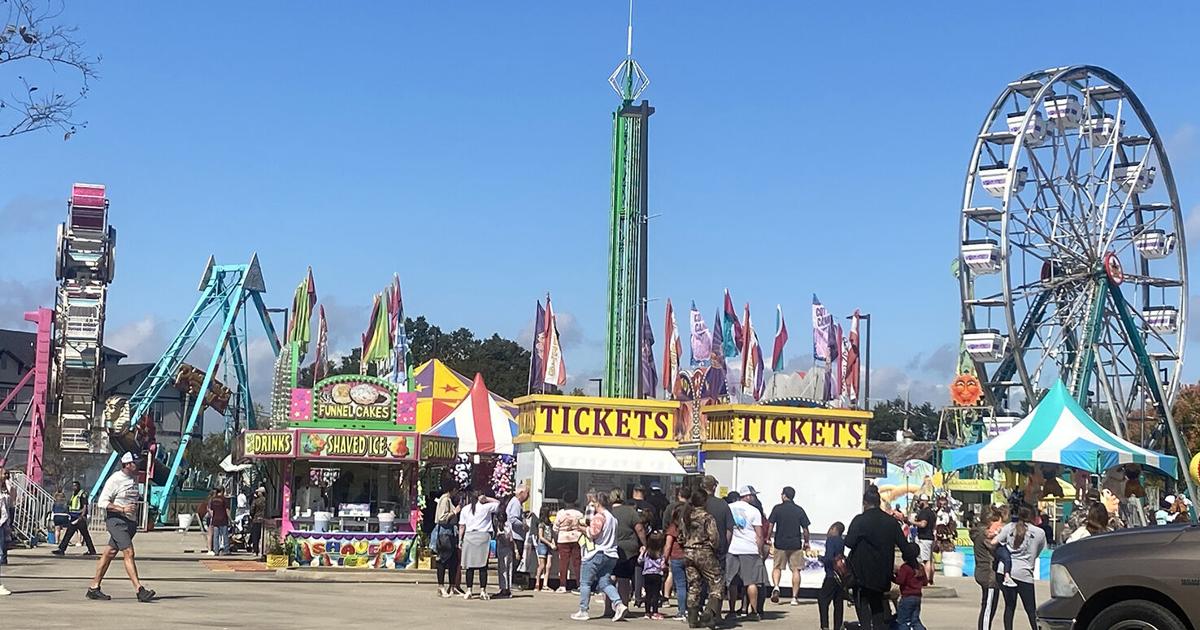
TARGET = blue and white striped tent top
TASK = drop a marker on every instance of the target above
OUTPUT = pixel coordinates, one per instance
(1059, 431)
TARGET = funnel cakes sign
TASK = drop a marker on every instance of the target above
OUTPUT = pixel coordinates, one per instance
(353, 398)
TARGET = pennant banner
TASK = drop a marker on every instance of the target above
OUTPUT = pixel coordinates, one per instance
(701, 339)
(781, 337)
(733, 329)
(850, 373)
(321, 361)
(752, 367)
(822, 323)
(536, 367)
(672, 352)
(648, 384)
(555, 367)
(714, 379)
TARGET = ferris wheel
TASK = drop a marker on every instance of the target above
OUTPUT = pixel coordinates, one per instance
(1073, 262)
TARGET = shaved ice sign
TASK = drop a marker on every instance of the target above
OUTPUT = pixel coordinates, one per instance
(355, 398)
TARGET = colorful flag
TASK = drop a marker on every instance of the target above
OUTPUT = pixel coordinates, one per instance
(822, 324)
(701, 338)
(377, 343)
(321, 362)
(536, 371)
(672, 352)
(299, 329)
(835, 370)
(733, 328)
(554, 367)
(649, 377)
(850, 374)
(715, 385)
(399, 336)
(752, 367)
(781, 338)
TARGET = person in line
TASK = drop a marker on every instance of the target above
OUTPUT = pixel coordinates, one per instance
(206, 519)
(873, 538)
(926, 522)
(218, 507)
(599, 560)
(77, 512)
(719, 510)
(1162, 515)
(544, 546)
(985, 565)
(445, 518)
(648, 518)
(653, 563)
(119, 499)
(1025, 542)
(746, 552)
(910, 577)
(660, 503)
(789, 523)
(674, 545)
(568, 527)
(475, 536)
(831, 593)
(258, 515)
(511, 542)
(701, 538)
(1096, 523)
(631, 539)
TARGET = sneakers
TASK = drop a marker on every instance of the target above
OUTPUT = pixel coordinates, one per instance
(97, 594)
(503, 595)
(657, 616)
(619, 610)
(211, 552)
(561, 590)
(484, 595)
(58, 552)
(795, 601)
(4, 591)
(679, 618)
(467, 595)
(580, 615)
(775, 596)
(145, 595)
(443, 592)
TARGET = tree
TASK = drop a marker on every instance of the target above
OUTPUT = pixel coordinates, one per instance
(206, 454)
(890, 415)
(36, 44)
(1186, 414)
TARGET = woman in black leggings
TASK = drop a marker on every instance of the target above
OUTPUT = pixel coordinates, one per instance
(1025, 542)
(985, 567)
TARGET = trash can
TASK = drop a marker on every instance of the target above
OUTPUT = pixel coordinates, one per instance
(387, 522)
(185, 522)
(321, 521)
(952, 563)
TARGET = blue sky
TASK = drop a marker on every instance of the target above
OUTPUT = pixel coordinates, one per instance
(796, 148)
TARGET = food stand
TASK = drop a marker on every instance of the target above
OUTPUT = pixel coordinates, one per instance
(349, 461)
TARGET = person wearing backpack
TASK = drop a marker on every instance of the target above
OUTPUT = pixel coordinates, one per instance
(831, 589)
(872, 538)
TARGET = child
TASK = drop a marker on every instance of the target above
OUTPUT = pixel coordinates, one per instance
(59, 513)
(831, 589)
(911, 578)
(544, 543)
(653, 564)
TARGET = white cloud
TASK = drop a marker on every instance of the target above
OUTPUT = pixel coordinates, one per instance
(16, 298)
(1191, 224)
(570, 333)
(143, 340)
(1182, 142)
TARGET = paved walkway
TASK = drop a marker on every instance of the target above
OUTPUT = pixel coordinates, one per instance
(200, 591)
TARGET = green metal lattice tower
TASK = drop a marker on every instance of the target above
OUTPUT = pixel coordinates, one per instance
(627, 248)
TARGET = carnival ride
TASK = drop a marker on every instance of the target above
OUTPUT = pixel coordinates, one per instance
(84, 266)
(628, 245)
(225, 290)
(1073, 262)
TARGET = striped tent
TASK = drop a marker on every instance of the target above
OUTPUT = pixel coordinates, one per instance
(1059, 431)
(479, 423)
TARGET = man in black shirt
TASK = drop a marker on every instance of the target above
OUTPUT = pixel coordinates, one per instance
(873, 538)
(925, 520)
(789, 523)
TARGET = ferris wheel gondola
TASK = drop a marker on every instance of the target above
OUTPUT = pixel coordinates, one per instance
(1073, 257)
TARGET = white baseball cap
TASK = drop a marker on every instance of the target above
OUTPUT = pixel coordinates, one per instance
(127, 458)
(747, 491)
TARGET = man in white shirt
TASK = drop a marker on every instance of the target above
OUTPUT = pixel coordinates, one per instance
(746, 551)
(119, 501)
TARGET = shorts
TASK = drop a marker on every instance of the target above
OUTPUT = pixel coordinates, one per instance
(543, 549)
(62, 520)
(926, 547)
(788, 558)
(120, 532)
(748, 567)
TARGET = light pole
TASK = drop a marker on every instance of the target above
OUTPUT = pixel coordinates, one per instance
(285, 319)
(866, 384)
(599, 385)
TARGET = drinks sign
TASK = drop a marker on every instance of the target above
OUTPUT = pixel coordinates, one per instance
(268, 444)
(598, 421)
(437, 448)
(354, 398)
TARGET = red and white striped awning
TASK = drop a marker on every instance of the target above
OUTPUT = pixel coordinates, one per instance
(480, 424)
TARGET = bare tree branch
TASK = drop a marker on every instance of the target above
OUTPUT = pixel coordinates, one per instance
(36, 50)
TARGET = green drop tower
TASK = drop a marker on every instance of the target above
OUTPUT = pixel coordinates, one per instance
(627, 248)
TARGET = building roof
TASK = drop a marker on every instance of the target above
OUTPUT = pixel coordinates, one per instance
(19, 343)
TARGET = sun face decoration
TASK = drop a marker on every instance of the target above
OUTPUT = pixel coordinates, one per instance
(965, 390)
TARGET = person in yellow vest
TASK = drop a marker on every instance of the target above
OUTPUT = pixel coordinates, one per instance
(77, 512)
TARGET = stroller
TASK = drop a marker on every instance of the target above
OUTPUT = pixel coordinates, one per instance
(239, 533)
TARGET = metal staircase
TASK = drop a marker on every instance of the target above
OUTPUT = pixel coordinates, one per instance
(33, 508)
(84, 267)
